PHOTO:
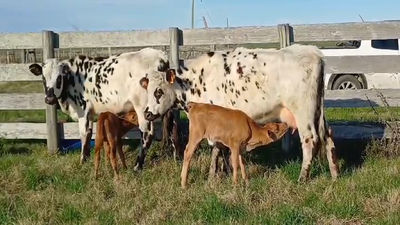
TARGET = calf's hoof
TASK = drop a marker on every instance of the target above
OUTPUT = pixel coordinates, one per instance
(183, 186)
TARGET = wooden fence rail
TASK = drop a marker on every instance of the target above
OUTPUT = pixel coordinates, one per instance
(175, 38)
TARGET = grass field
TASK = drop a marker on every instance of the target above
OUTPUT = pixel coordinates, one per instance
(37, 188)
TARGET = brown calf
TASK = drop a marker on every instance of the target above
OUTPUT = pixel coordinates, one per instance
(233, 128)
(110, 129)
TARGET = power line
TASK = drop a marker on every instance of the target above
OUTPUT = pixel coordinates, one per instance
(209, 17)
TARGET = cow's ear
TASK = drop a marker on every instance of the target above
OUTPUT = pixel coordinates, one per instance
(171, 76)
(144, 82)
(36, 69)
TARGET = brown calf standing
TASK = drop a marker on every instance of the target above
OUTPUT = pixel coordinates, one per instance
(110, 129)
(233, 128)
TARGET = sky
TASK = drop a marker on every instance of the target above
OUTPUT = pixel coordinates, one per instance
(102, 15)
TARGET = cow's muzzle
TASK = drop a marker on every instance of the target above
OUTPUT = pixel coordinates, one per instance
(150, 116)
(50, 98)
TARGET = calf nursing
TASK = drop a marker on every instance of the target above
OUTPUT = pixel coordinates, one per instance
(231, 127)
(110, 129)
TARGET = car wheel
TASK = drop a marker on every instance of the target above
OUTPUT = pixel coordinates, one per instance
(347, 82)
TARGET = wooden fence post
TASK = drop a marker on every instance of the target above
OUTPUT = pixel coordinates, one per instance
(174, 42)
(285, 39)
(51, 110)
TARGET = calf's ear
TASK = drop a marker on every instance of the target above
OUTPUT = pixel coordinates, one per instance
(170, 76)
(36, 69)
(144, 82)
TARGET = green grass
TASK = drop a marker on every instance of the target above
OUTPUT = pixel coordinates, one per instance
(332, 114)
(22, 87)
(38, 188)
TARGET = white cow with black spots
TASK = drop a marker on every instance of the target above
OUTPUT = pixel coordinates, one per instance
(85, 86)
(267, 84)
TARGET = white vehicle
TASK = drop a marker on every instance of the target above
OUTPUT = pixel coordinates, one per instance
(364, 80)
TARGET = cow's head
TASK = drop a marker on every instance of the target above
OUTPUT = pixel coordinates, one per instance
(161, 93)
(55, 75)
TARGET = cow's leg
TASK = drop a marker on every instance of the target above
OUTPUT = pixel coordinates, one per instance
(308, 147)
(165, 130)
(85, 130)
(171, 133)
(226, 165)
(147, 130)
(217, 150)
(178, 153)
(331, 155)
(303, 120)
(214, 162)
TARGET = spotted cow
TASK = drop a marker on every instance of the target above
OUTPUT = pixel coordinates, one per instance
(85, 86)
(267, 84)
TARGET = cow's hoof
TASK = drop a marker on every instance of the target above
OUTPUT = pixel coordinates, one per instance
(302, 179)
(137, 168)
(82, 161)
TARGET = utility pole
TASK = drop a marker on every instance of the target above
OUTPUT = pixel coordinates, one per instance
(192, 14)
(227, 22)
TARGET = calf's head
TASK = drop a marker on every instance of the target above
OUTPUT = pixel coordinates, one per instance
(275, 130)
(131, 117)
(55, 75)
(160, 87)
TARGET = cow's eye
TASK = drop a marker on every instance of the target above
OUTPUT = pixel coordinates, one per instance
(58, 82)
(158, 93)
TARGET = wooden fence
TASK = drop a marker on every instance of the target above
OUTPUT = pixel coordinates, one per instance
(284, 34)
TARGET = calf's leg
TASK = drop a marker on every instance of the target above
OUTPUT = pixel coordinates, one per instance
(108, 150)
(243, 170)
(97, 149)
(235, 161)
(193, 142)
(121, 154)
(113, 148)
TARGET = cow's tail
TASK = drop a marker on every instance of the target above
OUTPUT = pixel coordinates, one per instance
(319, 120)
